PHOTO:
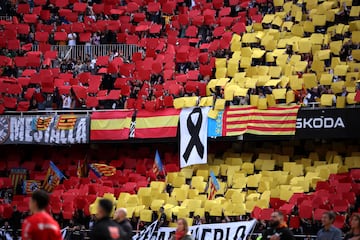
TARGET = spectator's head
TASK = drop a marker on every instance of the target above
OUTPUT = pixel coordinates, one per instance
(328, 219)
(277, 218)
(182, 226)
(355, 222)
(120, 215)
(39, 201)
(161, 209)
(105, 208)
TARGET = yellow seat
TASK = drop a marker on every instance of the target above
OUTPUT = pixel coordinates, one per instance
(250, 206)
(156, 204)
(287, 166)
(238, 197)
(144, 191)
(146, 201)
(247, 157)
(234, 161)
(203, 173)
(187, 172)
(193, 193)
(297, 170)
(253, 181)
(239, 181)
(248, 167)
(199, 212)
(178, 181)
(179, 194)
(215, 169)
(183, 213)
(145, 215)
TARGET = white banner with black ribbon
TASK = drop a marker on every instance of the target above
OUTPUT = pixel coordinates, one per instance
(233, 230)
(193, 136)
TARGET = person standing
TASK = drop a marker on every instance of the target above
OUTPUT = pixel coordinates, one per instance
(278, 229)
(120, 217)
(105, 228)
(328, 232)
(40, 226)
(182, 231)
(354, 233)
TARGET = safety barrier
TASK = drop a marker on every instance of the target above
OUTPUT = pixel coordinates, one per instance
(73, 52)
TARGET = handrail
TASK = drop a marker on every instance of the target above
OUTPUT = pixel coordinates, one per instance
(89, 111)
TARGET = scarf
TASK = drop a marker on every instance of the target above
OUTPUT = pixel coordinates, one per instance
(179, 235)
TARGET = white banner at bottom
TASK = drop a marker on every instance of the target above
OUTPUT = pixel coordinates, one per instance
(233, 231)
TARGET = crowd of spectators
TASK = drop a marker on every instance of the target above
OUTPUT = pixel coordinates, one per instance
(158, 31)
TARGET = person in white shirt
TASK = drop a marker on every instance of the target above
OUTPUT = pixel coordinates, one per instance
(66, 101)
(72, 39)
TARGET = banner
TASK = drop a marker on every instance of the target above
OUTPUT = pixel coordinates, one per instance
(249, 119)
(193, 136)
(113, 125)
(328, 123)
(233, 230)
(158, 124)
(147, 233)
(54, 129)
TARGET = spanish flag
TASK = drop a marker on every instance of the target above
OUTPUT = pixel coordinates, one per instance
(102, 170)
(113, 125)
(159, 124)
(53, 178)
(30, 186)
(279, 120)
(66, 122)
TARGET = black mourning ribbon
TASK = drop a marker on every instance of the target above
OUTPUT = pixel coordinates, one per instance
(194, 131)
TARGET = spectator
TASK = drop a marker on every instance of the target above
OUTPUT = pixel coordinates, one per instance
(40, 226)
(105, 228)
(162, 220)
(354, 233)
(120, 217)
(328, 232)
(182, 231)
(72, 39)
(278, 229)
(66, 101)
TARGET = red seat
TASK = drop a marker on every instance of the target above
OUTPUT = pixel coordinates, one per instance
(339, 221)
(318, 213)
(294, 222)
(266, 213)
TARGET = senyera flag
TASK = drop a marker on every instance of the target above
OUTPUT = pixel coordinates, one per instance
(112, 125)
(53, 178)
(214, 186)
(158, 166)
(100, 169)
(17, 175)
(158, 124)
(280, 120)
(30, 186)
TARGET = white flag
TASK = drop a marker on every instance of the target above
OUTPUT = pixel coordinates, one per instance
(193, 136)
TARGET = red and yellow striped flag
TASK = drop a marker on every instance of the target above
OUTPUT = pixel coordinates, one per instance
(279, 120)
(43, 123)
(159, 124)
(66, 122)
(110, 125)
(53, 178)
(17, 175)
(101, 169)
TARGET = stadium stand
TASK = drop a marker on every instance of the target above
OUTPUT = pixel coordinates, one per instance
(242, 52)
(301, 179)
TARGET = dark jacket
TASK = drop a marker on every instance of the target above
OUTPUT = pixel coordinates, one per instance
(283, 232)
(127, 229)
(186, 237)
(107, 229)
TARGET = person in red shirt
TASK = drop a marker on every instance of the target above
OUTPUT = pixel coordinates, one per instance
(40, 226)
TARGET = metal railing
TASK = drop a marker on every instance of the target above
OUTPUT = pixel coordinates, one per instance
(126, 50)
